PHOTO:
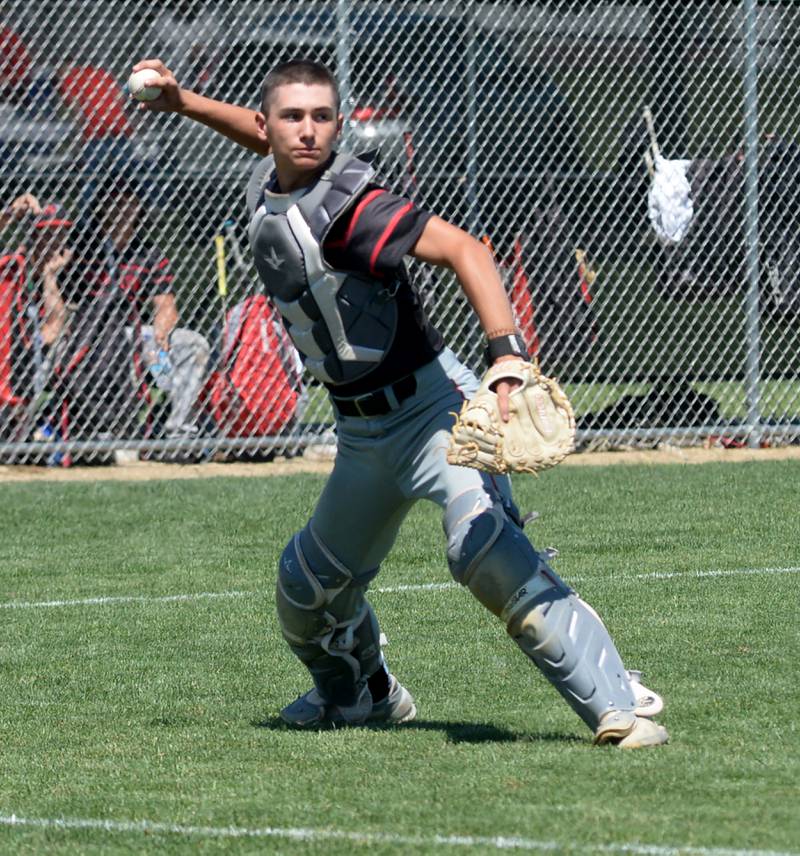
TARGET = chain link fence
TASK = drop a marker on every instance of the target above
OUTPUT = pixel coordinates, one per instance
(634, 166)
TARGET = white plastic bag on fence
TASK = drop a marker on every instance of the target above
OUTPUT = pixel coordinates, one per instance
(669, 200)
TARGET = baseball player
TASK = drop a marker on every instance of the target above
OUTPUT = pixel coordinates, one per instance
(329, 242)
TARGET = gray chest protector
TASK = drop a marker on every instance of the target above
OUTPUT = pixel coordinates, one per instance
(341, 323)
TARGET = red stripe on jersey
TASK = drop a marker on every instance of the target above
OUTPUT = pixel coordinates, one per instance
(42, 224)
(387, 233)
(357, 211)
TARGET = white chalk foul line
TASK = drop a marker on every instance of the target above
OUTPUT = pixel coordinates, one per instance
(398, 589)
(180, 598)
(413, 587)
(134, 598)
(741, 572)
(500, 842)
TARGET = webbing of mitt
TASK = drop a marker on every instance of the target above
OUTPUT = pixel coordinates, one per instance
(540, 431)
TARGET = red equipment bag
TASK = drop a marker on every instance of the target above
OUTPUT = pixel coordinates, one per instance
(13, 328)
(255, 391)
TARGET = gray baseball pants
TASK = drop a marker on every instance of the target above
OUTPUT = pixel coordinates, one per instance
(383, 466)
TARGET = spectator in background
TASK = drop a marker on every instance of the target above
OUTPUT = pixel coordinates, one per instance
(114, 278)
(175, 357)
(33, 316)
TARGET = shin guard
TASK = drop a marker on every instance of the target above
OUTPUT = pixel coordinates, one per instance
(561, 634)
(327, 621)
(571, 646)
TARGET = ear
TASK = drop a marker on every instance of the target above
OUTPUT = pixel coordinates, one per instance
(339, 124)
(261, 127)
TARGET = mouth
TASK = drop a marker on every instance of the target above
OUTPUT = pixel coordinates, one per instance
(312, 154)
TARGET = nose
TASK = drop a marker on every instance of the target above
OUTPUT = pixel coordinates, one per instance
(307, 131)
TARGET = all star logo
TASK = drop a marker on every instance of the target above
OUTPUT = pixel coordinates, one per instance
(273, 259)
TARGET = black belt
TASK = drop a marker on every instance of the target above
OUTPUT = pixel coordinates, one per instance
(377, 403)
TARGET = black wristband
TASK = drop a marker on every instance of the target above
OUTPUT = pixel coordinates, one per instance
(505, 346)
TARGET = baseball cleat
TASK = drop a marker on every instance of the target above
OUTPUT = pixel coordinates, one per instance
(313, 711)
(308, 711)
(397, 707)
(648, 703)
(624, 729)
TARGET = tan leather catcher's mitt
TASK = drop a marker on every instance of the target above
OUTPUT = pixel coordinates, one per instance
(540, 431)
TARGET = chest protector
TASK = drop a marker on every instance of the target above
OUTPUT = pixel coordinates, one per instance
(342, 323)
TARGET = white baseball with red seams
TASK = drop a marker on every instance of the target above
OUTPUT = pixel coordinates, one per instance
(139, 84)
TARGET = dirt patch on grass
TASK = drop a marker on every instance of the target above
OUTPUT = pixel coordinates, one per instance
(151, 470)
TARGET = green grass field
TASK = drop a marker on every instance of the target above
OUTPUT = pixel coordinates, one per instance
(143, 671)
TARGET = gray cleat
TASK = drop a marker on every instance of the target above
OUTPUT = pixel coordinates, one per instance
(313, 711)
(397, 707)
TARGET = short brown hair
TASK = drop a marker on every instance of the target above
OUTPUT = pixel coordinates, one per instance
(306, 71)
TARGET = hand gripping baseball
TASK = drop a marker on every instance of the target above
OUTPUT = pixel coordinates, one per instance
(540, 431)
(170, 100)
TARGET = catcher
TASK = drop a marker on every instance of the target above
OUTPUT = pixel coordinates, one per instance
(329, 242)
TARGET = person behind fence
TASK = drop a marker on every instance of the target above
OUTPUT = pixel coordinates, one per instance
(175, 357)
(329, 242)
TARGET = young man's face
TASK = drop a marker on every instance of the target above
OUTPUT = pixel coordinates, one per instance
(301, 127)
(119, 212)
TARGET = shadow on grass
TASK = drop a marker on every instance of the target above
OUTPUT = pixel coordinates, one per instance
(457, 732)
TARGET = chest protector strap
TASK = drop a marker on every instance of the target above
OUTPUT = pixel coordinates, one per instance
(342, 323)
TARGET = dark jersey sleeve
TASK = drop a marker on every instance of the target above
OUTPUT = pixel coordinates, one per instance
(374, 235)
(145, 271)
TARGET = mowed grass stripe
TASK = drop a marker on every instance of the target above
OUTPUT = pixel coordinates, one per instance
(496, 842)
(399, 589)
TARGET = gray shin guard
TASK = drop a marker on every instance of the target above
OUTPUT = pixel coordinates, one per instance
(562, 635)
(326, 619)
(572, 647)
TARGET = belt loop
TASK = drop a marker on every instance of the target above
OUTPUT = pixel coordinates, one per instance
(394, 404)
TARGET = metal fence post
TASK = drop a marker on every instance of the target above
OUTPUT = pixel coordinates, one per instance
(343, 63)
(753, 333)
(473, 217)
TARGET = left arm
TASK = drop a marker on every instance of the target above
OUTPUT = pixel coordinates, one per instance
(54, 311)
(445, 245)
(165, 318)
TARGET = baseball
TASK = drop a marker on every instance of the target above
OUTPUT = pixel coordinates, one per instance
(138, 85)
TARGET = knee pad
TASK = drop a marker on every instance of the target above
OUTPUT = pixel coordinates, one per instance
(326, 619)
(486, 551)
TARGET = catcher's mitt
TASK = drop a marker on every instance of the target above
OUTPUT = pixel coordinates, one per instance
(540, 431)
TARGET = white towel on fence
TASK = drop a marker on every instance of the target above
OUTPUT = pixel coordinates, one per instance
(669, 201)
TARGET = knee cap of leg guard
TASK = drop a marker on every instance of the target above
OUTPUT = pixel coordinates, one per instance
(490, 554)
(297, 583)
(472, 524)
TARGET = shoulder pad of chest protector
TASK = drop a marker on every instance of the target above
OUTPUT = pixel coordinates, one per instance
(346, 177)
(258, 179)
